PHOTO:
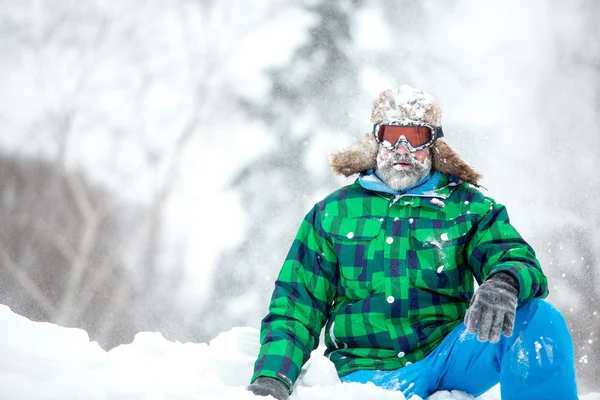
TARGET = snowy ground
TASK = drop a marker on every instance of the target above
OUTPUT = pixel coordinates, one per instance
(45, 361)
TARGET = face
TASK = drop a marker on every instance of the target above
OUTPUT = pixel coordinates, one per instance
(400, 168)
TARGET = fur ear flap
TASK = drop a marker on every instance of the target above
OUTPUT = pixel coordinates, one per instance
(448, 162)
(355, 159)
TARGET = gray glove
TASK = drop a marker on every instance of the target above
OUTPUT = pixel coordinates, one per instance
(266, 386)
(493, 308)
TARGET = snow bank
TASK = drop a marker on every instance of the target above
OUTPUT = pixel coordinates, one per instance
(45, 361)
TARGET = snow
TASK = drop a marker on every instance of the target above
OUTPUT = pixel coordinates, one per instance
(538, 355)
(437, 202)
(43, 361)
(415, 101)
(387, 145)
(435, 244)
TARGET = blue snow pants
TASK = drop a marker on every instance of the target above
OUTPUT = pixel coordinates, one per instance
(536, 362)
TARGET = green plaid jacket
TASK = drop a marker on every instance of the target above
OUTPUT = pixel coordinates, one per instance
(388, 277)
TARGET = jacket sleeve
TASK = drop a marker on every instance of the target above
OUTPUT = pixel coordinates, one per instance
(497, 246)
(299, 305)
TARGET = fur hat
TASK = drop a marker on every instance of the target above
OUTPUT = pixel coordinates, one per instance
(403, 102)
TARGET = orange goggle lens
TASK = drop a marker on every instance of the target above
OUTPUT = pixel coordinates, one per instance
(416, 135)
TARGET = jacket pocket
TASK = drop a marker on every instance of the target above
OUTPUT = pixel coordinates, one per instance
(352, 239)
(436, 257)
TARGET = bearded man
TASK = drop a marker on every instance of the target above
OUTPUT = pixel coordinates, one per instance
(388, 265)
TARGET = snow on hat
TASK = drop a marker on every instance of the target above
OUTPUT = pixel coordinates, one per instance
(403, 102)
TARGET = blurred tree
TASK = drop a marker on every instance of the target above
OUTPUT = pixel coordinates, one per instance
(63, 249)
(103, 103)
(310, 98)
(128, 95)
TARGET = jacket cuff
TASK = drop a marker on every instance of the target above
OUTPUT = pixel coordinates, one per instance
(276, 375)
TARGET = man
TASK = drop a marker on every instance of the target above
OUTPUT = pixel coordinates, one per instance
(387, 266)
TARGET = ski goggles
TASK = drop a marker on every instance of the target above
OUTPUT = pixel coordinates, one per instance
(415, 135)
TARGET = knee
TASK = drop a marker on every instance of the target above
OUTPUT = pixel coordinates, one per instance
(539, 323)
(541, 312)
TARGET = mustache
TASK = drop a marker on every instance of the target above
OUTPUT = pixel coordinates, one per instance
(397, 158)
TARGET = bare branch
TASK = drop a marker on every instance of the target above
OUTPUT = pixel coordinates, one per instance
(30, 286)
(86, 244)
(51, 233)
(56, 238)
(89, 290)
(85, 206)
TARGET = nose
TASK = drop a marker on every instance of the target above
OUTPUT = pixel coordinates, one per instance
(402, 149)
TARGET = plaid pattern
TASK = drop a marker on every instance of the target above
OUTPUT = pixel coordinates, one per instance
(387, 277)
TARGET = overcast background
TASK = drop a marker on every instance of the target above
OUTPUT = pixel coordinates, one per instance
(156, 157)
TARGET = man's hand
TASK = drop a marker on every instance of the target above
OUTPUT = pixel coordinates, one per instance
(493, 308)
(265, 386)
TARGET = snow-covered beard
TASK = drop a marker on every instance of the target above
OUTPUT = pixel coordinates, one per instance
(398, 177)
